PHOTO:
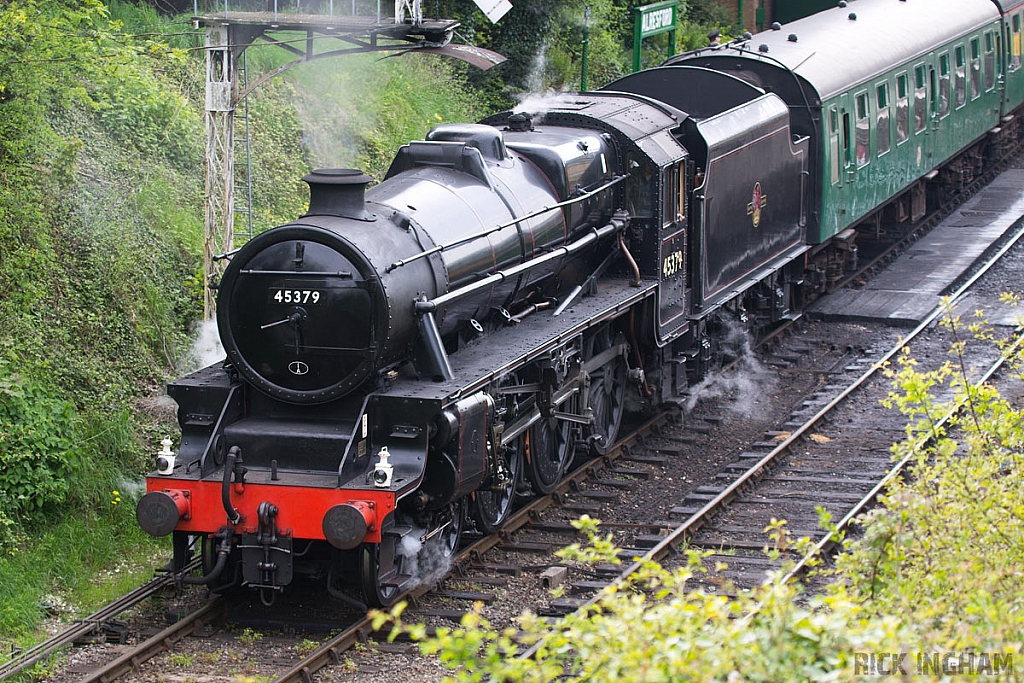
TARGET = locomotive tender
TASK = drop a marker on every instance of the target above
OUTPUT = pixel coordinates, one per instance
(407, 359)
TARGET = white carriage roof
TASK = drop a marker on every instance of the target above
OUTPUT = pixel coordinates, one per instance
(833, 51)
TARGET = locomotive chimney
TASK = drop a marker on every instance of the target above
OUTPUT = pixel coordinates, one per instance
(338, 192)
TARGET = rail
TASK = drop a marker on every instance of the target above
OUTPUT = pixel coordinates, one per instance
(89, 624)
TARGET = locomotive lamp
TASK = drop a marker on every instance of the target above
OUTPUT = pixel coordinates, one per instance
(383, 470)
(165, 458)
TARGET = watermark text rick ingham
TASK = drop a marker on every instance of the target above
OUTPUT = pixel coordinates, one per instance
(932, 663)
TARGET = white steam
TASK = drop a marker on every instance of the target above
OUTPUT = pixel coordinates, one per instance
(331, 125)
(535, 79)
(131, 488)
(206, 348)
(742, 384)
(425, 562)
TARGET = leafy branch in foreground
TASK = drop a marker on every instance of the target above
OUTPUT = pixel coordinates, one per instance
(659, 627)
(945, 550)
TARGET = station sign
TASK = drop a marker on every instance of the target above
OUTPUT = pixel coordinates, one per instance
(652, 20)
(657, 18)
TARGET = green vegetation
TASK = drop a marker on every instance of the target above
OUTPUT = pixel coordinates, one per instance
(543, 40)
(931, 589)
(91, 293)
(395, 107)
(250, 637)
(101, 229)
(182, 659)
(945, 552)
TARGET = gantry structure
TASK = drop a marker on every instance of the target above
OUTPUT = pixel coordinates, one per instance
(309, 37)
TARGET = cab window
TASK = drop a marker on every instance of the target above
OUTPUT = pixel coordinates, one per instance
(640, 187)
(670, 194)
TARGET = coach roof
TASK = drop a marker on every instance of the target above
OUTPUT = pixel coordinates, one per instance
(838, 48)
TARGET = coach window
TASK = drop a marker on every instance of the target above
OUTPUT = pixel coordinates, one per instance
(882, 132)
(920, 100)
(990, 61)
(960, 79)
(863, 130)
(1015, 42)
(833, 142)
(975, 69)
(943, 106)
(902, 109)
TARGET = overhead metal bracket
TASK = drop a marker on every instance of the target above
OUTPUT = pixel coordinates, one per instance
(229, 34)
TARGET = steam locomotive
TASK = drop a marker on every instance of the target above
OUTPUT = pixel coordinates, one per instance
(407, 359)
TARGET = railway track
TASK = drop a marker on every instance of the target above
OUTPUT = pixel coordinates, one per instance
(90, 625)
(161, 642)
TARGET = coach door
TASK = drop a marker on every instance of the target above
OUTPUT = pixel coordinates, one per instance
(849, 170)
(841, 170)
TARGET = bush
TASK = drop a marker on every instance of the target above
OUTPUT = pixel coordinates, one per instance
(946, 549)
(658, 627)
(38, 453)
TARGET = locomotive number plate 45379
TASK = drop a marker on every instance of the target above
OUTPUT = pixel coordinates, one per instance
(672, 264)
(294, 296)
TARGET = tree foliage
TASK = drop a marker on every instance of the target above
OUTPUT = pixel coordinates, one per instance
(92, 252)
(543, 40)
